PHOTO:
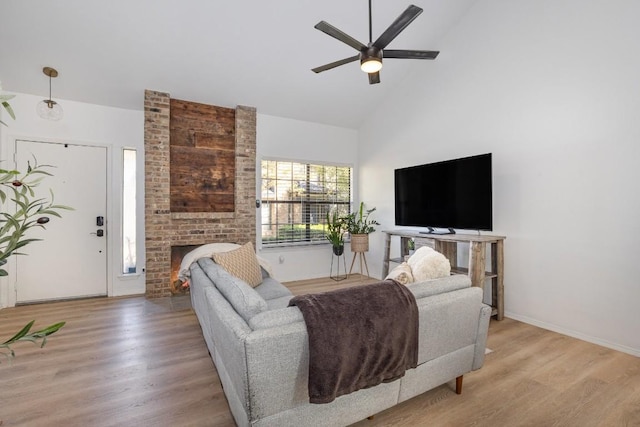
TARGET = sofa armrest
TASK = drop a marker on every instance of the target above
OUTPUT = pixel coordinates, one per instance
(278, 365)
(448, 322)
(481, 342)
(275, 318)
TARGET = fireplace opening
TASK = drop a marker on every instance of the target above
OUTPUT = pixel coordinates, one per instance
(177, 253)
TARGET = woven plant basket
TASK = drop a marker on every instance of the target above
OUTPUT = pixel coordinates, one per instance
(359, 243)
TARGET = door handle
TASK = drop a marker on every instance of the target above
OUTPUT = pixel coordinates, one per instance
(99, 232)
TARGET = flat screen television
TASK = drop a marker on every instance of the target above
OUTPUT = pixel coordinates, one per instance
(450, 194)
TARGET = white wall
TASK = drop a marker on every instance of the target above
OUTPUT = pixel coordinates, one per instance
(92, 125)
(281, 138)
(552, 89)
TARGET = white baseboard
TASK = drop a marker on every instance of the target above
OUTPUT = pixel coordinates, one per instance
(574, 334)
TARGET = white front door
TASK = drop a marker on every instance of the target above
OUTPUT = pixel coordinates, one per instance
(71, 259)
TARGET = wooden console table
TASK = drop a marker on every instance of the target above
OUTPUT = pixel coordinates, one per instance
(447, 244)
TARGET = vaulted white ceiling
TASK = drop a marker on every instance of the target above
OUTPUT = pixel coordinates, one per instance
(228, 53)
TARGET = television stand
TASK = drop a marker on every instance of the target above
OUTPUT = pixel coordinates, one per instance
(439, 232)
(448, 245)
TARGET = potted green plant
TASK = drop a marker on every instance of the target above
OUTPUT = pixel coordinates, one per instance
(335, 232)
(359, 227)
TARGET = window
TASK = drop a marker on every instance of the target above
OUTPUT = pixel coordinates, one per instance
(296, 198)
(128, 211)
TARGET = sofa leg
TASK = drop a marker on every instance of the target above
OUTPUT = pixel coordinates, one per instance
(459, 385)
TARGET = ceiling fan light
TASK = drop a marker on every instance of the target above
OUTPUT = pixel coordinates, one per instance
(371, 64)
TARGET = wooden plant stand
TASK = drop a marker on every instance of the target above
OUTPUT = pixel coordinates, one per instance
(362, 257)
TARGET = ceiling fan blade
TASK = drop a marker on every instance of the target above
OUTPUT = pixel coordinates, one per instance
(411, 54)
(337, 34)
(398, 25)
(335, 64)
(374, 78)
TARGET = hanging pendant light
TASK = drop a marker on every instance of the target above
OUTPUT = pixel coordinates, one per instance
(48, 108)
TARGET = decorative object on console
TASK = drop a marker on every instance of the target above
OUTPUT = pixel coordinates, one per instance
(49, 109)
(411, 246)
(371, 55)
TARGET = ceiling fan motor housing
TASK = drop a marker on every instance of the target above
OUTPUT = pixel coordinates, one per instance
(371, 52)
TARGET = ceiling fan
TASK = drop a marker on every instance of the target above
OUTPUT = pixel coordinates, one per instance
(371, 55)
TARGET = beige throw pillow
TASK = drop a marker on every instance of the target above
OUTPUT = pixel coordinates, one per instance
(242, 263)
(401, 274)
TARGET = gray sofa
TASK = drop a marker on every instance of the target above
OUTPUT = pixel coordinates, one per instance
(260, 348)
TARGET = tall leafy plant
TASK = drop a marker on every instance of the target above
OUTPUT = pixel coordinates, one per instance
(359, 222)
(335, 229)
(31, 211)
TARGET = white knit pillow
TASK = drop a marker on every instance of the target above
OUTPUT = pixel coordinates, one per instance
(420, 253)
(432, 265)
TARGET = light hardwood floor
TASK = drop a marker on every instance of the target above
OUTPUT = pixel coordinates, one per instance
(139, 362)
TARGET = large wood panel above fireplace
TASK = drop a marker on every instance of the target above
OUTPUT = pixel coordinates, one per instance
(202, 148)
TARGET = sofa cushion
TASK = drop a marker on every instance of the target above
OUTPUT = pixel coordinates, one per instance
(401, 274)
(242, 263)
(271, 289)
(277, 303)
(242, 297)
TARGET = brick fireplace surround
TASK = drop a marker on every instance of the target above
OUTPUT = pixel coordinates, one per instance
(164, 229)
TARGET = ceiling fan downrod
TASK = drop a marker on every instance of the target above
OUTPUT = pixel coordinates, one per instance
(370, 25)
